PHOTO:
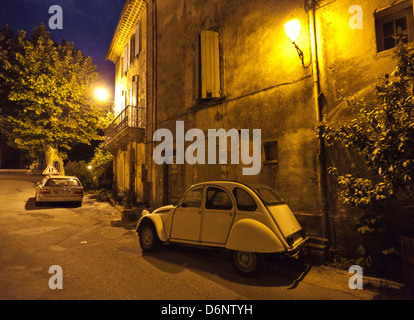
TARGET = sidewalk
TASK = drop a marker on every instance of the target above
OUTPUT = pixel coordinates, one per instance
(373, 288)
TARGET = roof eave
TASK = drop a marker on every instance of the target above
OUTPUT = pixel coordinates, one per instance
(128, 20)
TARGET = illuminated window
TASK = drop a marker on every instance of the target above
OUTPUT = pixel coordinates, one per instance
(392, 22)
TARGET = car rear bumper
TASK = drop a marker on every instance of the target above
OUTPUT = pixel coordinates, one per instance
(298, 246)
(43, 198)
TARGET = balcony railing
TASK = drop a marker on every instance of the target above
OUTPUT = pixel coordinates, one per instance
(130, 117)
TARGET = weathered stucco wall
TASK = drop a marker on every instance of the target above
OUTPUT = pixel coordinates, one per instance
(350, 64)
(263, 84)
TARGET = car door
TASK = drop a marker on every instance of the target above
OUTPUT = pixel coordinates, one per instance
(187, 217)
(217, 217)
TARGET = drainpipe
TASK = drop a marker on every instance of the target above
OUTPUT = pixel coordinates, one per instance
(322, 182)
(153, 67)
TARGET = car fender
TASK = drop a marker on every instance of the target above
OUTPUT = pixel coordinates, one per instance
(253, 236)
(156, 221)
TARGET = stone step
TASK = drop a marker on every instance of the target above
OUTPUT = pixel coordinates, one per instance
(319, 244)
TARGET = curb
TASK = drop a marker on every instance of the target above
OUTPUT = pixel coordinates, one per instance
(382, 283)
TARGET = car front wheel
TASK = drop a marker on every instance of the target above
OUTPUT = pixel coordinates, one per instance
(148, 238)
(247, 264)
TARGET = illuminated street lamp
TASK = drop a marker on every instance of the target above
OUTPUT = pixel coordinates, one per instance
(293, 31)
(101, 94)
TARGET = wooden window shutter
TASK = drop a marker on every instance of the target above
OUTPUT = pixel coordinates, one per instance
(132, 48)
(134, 91)
(138, 39)
(210, 64)
(126, 60)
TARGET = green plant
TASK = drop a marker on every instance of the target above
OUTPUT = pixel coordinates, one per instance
(47, 101)
(381, 135)
(129, 198)
(81, 171)
(101, 164)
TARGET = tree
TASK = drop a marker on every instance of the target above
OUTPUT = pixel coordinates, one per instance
(382, 135)
(101, 164)
(51, 88)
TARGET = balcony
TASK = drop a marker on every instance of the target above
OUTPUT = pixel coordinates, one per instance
(128, 126)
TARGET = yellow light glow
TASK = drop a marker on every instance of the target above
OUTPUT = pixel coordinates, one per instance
(101, 94)
(293, 29)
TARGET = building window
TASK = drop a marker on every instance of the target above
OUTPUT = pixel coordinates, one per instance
(271, 152)
(392, 22)
(125, 59)
(132, 49)
(134, 91)
(210, 64)
(138, 40)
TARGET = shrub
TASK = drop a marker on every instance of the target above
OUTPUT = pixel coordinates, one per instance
(80, 170)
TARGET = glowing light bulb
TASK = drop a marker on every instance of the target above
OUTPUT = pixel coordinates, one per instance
(101, 94)
(293, 29)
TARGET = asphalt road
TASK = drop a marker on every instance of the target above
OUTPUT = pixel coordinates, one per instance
(101, 261)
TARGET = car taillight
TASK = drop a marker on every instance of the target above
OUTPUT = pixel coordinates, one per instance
(294, 237)
(45, 191)
(78, 192)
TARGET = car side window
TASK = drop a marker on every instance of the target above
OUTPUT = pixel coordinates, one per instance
(218, 199)
(194, 198)
(245, 202)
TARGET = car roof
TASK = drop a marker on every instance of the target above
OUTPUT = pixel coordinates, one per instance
(230, 182)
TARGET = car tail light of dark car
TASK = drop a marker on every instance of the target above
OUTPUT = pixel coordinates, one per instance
(45, 191)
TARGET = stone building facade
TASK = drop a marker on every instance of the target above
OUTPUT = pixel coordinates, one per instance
(227, 64)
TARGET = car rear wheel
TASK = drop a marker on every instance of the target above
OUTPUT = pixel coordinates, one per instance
(148, 238)
(247, 264)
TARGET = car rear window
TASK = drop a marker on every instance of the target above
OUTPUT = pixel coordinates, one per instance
(62, 182)
(245, 202)
(268, 196)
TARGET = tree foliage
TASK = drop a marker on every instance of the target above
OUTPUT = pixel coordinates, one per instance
(50, 94)
(101, 164)
(382, 134)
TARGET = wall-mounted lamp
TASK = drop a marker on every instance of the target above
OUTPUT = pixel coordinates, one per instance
(293, 31)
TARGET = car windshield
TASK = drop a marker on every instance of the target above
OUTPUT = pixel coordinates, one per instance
(268, 195)
(62, 182)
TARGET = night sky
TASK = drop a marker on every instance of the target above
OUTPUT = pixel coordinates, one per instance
(90, 24)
